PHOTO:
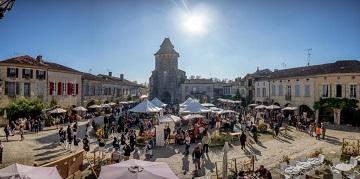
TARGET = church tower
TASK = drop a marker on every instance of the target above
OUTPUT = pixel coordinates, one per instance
(166, 78)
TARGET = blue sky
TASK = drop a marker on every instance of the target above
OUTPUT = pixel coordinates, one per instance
(122, 36)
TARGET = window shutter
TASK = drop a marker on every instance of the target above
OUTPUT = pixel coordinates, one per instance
(69, 89)
(23, 73)
(59, 88)
(51, 88)
(8, 72)
(77, 89)
(17, 72)
(6, 86)
(37, 74)
(31, 74)
(17, 88)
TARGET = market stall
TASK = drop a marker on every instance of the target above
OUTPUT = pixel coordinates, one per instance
(18, 171)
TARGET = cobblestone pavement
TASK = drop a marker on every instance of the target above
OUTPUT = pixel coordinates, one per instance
(43, 147)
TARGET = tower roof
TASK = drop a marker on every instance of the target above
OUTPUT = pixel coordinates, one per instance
(166, 47)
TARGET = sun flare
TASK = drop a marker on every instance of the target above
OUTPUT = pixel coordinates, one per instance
(195, 24)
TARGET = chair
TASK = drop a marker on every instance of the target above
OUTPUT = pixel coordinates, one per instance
(335, 161)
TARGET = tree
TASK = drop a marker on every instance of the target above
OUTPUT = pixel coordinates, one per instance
(24, 108)
(237, 95)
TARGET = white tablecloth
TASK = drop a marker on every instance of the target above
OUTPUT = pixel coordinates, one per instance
(344, 167)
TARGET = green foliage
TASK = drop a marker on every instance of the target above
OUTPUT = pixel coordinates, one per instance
(53, 103)
(285, 158)
(262, 128)
(339, 103)
(93, 101)
(24, 108)
(220, 139)
(237, 95)
(316, 153)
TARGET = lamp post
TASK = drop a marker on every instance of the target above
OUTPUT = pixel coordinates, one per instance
(5, 5)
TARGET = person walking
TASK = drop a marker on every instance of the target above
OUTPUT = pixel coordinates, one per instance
(242, 140)
(69, 137)
(187, 143)
(311, 130)
(21, 131)
(1, 152)
(323, 130)
(205, 142)
(196, 155)
(127, 152)
(318, 132)
(7, 132)
(86, 144)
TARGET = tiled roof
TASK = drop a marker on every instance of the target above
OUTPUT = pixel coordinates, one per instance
(343, 66)
(119, 81)
(30, 61)
(166, 47)
(88, 76)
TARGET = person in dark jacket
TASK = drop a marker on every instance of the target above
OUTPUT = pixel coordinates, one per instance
(127, 152)
(242, 140)
(86, 144)
(116, 144)
(196, 155)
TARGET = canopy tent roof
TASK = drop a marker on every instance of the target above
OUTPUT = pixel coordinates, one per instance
(105, 105)
(94, 106)
(289, 108)
(273, 107)
(227, 112)
(253, 105)
(158, 103)
(112, 104)
(137, 169)
(169, 118)
(194, 107)
(208, 105)
(30, 172)
(143, 96)
(80, 108)
(188, 101)
(261, 106)
(57, 111)
(145, 107)
(228, 101)
(193, 116)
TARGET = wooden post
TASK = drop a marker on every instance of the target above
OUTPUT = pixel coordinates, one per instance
(216, 169)
(235, 165)
(253, 162)
(358, 151)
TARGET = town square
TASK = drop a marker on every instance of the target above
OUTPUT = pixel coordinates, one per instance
(152, 89)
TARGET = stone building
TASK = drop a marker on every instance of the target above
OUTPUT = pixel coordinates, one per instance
(166, 79)
(38, 79)
(91, 88)
(303, 86)
(247, 86)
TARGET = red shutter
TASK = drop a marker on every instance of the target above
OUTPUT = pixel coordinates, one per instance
(77, 88)
(59, 88)
(51, 88)
(69, 90)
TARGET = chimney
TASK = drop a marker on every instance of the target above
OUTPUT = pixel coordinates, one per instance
(39, 58)
(110, 73)
(121, 77)
(257, 69)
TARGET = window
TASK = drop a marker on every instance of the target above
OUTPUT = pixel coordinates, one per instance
(352, 91)
(288, 93)
(12, 72)
(258, 92)
(297, 90)
(307, 91)
(208, 89)
(325, 91)
(27, 73)
(273, 90)
(281, 93)
(64, 88)
(40, 74)
(264, 92)
(242, 93)
(338, 91)
(249, 82)
(10, 89)
(27, 89)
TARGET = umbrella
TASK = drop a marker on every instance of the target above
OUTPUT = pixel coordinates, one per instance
(29, 172)
(94, 106)
(261, 107)
(226, 112)
(253, 105)
(80, 108)
(137, 169)
(208, 105)
(225, 160)
(143, 96)
(273, 107)
(169, 118)
(123, 102)
(105, 106)
(57, 111)
(193, 116)
(289, 108)
(112, 104)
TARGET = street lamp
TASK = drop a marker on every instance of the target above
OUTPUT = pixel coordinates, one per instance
(5, 5)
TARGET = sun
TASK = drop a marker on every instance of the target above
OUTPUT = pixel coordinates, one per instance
(195, 24)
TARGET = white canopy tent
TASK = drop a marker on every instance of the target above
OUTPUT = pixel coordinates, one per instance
(273, 107)
(193, 116)
(227, 112)
(208, 105)
(261, 106)
(194, 107)
(188, 101)
(29, 172)
(169, 118)
(253, 105)
(158, 103)
(289, 108)
(145, 107)
(94, 106)
(57, 111)
(137, 169)
(80, 108)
